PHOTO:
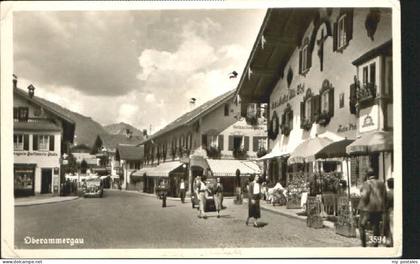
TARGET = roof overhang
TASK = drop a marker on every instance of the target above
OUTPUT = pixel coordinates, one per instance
(280, 33)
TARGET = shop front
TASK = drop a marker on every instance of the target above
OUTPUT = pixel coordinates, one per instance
(24, 181)
(233, 173)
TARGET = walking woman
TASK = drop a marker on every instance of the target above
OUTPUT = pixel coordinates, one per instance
(218, 196)
(254, 195)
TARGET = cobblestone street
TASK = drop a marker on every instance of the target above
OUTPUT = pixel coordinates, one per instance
(131, 220)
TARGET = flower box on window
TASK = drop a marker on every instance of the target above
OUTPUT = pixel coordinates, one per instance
(261, 152)
(366, 93)
(285, 129)
(324, 118)
(306, 124)
(240, 153)
(213, 152)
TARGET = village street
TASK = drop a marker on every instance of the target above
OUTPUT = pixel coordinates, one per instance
(131, 220)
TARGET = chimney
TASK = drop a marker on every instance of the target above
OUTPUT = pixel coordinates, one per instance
(31, 90)
(14, 81)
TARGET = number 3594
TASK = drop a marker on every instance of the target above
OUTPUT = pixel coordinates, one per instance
(377, 239)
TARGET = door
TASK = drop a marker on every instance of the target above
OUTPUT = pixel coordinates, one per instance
(46, 180)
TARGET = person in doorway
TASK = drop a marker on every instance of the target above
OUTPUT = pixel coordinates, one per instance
(182, 190)
(254, 197)
(371, 206)
(201, 193)
(390, 211)
(218, 196)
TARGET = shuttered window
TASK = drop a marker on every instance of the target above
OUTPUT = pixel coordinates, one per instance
(204, 140)
(246, 143)
(221, 142)
(51, 147)
(230, 143)
(18, 142)
(343, 30)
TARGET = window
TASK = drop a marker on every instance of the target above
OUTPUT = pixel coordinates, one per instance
(238, 143)
(213, 141)
(20, 113)
(343, 30)
(305, 57)
(325, 105)
(18, 142)
(43, 142)
(259, 143)
(226, 109)
(308, 106)
(341, 33)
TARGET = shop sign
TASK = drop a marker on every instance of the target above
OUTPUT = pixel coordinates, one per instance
(368, 119)
(249, 127)
(345, 224)
(313, 210)
(289, 96)
(345, 128)
(35, 153)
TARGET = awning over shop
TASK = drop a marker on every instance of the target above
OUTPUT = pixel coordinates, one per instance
(163, 169)
(377, 141)
(334, 150)
(142, 171)
(222, 168)
(274, 153)
(306, 151)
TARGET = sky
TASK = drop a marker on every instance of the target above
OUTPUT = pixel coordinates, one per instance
(137, 67)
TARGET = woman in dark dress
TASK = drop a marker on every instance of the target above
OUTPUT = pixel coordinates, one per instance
(254, 196)
(218, 197)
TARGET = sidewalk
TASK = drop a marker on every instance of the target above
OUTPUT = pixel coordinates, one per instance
(288, 212)
(42, 199)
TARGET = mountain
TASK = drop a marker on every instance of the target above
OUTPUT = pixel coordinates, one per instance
(87, 129)
(121, 129)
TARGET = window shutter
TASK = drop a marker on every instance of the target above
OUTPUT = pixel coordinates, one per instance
(25, 142)
(335, 37)
(35, 142)
(230, 147)
(190, 143)
(246, 144)
(52, 143)
(291, 120)
(349, 25)
(317, 107)
(352, 99)
(300, 61)
(302, 113)
(309, 57)
(220, 143)
(204, 140)
(15, 113)
(331, 101)
(255, 144)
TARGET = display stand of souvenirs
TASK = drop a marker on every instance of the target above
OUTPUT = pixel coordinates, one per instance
(296, 187)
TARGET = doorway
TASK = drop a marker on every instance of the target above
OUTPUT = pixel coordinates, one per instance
(46, 179)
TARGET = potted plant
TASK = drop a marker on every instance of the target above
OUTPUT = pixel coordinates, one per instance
(261, 152)
(324, 118)
(306, 124)
(213, 152)
(240, 153)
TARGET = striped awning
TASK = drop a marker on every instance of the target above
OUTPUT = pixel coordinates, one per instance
(227, 168)
(163, 169)
(378, 141)
(142, 171)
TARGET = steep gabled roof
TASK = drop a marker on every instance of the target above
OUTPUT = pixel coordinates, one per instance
(129, 152)
(69, 125)
(195, 114)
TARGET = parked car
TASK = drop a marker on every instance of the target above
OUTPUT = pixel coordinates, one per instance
(93, 188)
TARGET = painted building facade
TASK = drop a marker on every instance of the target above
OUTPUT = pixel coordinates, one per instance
(329, 74)
(40, 136)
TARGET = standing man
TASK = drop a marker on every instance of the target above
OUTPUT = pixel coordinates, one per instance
(201, 193)
(182, 190)
(218, 196)
(371, 206)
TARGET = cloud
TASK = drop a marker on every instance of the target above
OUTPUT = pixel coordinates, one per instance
(138, 67)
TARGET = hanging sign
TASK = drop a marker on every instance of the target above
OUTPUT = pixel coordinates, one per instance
(368, 119)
